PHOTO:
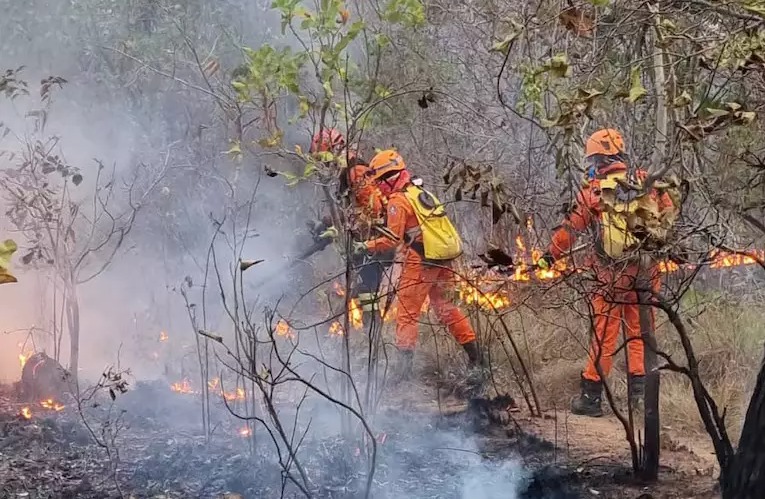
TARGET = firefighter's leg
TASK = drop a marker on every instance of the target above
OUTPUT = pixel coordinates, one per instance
(441, 295)
(607, 324)
(370, 275)
(447, 312)
(411, 291)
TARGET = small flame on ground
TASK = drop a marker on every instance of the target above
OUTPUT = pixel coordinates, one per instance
(182, 386)
(355, 315)
(336, 329)
(284, 329)
(213, 383)
(163, 336)
(26, 413)
(245, 431)
(237, 395)
(52, 405)
(24, 357)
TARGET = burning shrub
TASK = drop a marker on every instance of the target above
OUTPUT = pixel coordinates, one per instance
(42, 378)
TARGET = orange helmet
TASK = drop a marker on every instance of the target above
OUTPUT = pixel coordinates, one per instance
(327, 140)
(606, 141)
(385, 163)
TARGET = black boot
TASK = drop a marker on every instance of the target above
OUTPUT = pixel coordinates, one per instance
(588, 402)
(636, 388)
(474, 354)
(476, 367)
(404, 367)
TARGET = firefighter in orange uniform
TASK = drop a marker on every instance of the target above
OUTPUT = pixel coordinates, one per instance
(367, 210)
(421, 277)
(614, 300)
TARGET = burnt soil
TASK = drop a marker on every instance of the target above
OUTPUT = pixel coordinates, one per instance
(471, 451)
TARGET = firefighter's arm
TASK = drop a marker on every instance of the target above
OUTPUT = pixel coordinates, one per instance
(396, 228)
(579, 219)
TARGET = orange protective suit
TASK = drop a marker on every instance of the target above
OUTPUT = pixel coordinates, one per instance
(614, 300)
(419, 279)
(368, 200)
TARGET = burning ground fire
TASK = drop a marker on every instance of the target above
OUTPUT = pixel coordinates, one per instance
(184, 386)
(471, 291)
(49, 405)
(356, 315)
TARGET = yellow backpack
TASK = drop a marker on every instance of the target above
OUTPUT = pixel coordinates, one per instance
(629, 216)
(439, 237)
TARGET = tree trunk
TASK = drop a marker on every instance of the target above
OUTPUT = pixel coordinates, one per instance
(745, 476)
(73, 322)
(651, 447)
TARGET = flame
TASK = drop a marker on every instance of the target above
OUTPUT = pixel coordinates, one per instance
(355, 314)
(237, 395)
(163, 336)
(338, 288)
(722, 259)
(520, 244)
(284, 329)
(390, 314)
(52, 405)
(24, 357)
(666, 266)
(26, 413)
(182, 387)
(213, 383)
(335, 329)
(470, 294)
(245, 431)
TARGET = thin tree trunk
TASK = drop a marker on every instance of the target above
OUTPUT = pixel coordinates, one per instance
(651, 423)
(745, 475)
(73, 319)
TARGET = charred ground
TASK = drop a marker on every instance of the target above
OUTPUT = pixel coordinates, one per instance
(476, 450)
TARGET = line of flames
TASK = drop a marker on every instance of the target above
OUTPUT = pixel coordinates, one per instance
(184, 386)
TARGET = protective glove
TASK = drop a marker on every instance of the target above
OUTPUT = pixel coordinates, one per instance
(359, 247)
(329, 233)
(546, 261)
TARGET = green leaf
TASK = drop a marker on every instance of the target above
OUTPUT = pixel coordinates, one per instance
(504, 46)
(600, 3)
(637, 90)
(310, 168)
(327, 86)
(683, 99)
(382, 40)
(558, 66)
(292, 179)
(303, 106)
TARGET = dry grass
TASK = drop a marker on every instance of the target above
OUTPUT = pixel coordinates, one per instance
(727, 335)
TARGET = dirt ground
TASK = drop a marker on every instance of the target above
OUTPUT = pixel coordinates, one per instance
(591, 453)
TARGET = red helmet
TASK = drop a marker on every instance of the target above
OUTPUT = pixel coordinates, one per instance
(327, 140)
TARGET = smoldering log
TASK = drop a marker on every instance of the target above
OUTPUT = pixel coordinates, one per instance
(43, 378)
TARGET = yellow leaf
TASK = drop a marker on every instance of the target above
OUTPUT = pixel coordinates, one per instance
(637, 90)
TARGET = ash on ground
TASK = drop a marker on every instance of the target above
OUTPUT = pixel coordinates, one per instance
(160, 451)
